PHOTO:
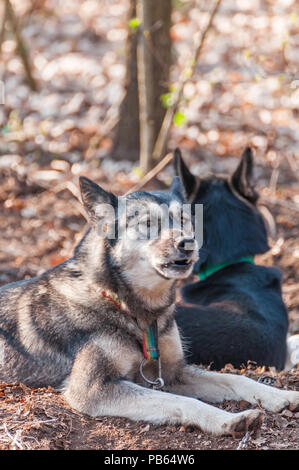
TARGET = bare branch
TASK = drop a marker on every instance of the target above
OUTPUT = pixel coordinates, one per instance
(166, 124)
(151, 174)
(22, 50)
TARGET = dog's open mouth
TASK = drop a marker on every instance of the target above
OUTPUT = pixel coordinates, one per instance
(177, 268)
(179, 263)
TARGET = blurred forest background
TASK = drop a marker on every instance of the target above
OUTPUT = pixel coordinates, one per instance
(73, 73)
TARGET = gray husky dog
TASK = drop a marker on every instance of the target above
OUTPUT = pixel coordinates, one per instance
(101, 327)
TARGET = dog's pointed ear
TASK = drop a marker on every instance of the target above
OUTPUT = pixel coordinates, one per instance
(242, 178)
(177, 188)
(93, 195)
(181, 170)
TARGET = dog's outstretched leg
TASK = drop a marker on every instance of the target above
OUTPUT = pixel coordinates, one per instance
(129, 400)
(216, 387)
(95, 388)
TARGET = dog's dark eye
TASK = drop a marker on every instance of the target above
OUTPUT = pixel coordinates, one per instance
(148, 223)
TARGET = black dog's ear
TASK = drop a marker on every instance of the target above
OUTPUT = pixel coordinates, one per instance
(177, 188)
(242, 178)
(93, 195)
(188, 180)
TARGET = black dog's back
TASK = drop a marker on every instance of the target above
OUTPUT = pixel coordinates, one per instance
(236, 314)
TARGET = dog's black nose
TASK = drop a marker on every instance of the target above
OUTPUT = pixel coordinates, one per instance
(186, 244)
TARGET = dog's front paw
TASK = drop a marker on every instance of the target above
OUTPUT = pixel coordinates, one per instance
(293, 399)
(282, 399)
(240, 423)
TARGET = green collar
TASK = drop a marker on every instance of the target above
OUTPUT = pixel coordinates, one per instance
(209, 270)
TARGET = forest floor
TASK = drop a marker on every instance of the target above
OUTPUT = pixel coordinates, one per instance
(41, 419)
(51, 137)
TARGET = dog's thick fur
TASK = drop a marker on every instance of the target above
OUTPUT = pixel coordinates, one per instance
(237, 314)
(58, 329)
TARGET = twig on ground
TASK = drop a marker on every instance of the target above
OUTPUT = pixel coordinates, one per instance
(72, 188)
(269, 219)
(293, 164)
(274, 201)
(274, 175)
(14, 439)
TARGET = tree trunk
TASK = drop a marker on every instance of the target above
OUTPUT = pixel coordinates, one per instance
(126, 140)
(154, 39)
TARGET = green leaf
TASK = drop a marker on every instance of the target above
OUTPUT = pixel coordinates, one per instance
(134, 23)
(179, 118)
(257, 77)
(188, 72)
(173, 88)
(167, 100)
(138, 172)
(5, 129)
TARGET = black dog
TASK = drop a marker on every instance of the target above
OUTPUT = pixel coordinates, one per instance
(235, 312)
